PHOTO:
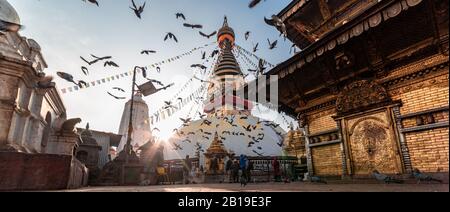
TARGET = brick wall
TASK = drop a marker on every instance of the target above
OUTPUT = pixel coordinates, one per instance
(429, 150)
(323, 121)
(21, 171)
(327, 160)
(426, 92)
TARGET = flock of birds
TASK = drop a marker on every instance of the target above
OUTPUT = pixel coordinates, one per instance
(231, 121)
(138, 11)
(234, 126)
(240, 131)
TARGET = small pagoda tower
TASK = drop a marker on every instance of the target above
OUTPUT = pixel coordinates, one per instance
(215, 156)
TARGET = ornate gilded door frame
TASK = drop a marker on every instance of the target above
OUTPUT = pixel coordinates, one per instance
(348, 160)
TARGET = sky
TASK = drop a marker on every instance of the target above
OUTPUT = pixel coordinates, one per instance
(69, 29)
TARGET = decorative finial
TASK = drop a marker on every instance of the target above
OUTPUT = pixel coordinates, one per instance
(225, 21)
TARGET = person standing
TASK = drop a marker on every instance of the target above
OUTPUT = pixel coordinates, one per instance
(243, 166)
(235, 171)
(228, 166)
(187, 170)
(276, 170)
(250, 167)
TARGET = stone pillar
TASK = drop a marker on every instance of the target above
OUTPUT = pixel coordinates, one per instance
(36, 127)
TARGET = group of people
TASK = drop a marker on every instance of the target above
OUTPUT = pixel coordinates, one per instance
(233, 167)
(236, 170)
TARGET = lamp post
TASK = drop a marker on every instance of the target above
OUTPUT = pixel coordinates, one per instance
(128, 149)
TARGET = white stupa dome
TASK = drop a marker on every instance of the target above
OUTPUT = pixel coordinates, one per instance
(8, 13)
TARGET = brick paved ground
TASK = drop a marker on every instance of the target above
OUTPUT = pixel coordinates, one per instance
(277, 187)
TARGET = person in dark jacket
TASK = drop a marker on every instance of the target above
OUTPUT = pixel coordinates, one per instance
(187, 166)
(250, 167)
(235, 171)
(276, 170)
(228, 169)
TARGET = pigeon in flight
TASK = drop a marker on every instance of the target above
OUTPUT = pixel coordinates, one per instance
(278, 23)
(116, 97)
(180, 15)
(93, 2)
(171, 36)
(247, 35)
(193, 26)
(147, 52)
(137, 10)
(253, 3)
(255, 48)
(96, 59)
(111, 63)
(84, 70)
(272, 45)
(209, 35)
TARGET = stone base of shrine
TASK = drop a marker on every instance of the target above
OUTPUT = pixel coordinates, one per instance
(25, 172)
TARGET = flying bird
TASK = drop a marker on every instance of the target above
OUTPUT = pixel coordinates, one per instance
(93, 2)
(116, 97)
(186, 140)
(247, 35)
(96, 59)
(137, 10)
(203, 55)
(193, 26)
(111, 63)
(185, 121)
(147, 52)
(255, 48)
(259, 154)
(82, 84)
(201, 115)
(206, 122)
(180, 15)
(67, 77)
(199, 66)
(207, 35)
(214, 53)
(85, 70)
(169, 105)
(177, 147)
(272, 45)
(253, 3)
(278, 23)
(119, 89)
(171, 36)
(155, 81)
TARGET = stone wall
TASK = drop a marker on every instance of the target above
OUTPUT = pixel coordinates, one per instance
(327, 160)
(21, 171)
